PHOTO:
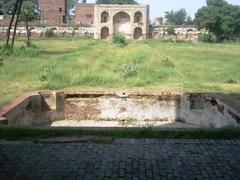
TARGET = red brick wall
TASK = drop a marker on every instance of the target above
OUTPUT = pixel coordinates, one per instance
(51, 13)
(84, 14)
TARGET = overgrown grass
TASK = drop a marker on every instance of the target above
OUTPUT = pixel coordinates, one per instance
(152, 64)
(17, 133)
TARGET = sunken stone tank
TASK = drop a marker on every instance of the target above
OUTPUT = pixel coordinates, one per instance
(128, 109)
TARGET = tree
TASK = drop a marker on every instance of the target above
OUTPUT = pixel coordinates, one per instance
(219, 18)
(171, 30)
(12, 8)
(116, 2)
(72, 4)
(176, 17)
(30, 12)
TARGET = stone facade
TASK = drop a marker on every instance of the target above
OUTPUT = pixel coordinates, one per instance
(53, 12)
(131, 20)
(182, 32)
(84, 14)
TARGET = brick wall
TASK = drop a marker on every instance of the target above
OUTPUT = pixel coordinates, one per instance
(84, 14)
(53, 12)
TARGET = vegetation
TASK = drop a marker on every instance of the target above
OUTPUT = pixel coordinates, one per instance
(170, 30)
(179, 17)
(17, 133)
(119, 39)
(116, 2)
(30, 12)
(220, 18)
(70, 63)
(49, 33)
(206, 37)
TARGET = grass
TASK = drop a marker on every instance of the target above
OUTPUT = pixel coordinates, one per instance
(17, 133)
(72, 63)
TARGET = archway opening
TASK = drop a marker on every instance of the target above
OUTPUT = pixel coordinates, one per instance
(75, 32)
(104, 17)
(104, 33)
(138, 17)
(138, 33)
(121, 23)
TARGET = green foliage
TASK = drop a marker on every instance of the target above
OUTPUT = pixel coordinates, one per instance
(220, 18)
(19, 51)
(6, 6)
(1, 60)
(29, 11)
(23, 133)
(171, 30)
(116, 2)
(179, 17)
(205, 37)
(119, 39)
(47, 71)
(49, 33)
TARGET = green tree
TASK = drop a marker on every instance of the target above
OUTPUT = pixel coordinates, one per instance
(220, 18)
(116, 2)
(12, 8)
(176, 17)
(171, 30)
(30, 12)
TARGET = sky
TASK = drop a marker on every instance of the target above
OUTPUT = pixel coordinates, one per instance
(158, 7)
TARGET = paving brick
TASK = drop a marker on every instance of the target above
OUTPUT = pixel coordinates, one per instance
(126, 159)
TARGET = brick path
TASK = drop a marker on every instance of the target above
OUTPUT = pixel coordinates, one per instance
(124, 159)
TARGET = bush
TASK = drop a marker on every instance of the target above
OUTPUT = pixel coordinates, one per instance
(119, 39)
(204, 37)
(171, 30)
(1, 60)
(49, 33)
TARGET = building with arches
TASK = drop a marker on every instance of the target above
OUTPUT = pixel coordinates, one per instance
(131, 20)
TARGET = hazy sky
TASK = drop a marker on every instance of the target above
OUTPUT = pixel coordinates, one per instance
(158, 7)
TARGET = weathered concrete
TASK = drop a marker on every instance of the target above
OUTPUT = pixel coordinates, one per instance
(131, 109)
(34, 110)
(208, 111)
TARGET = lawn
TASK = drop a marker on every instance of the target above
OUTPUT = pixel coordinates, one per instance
(151, 65)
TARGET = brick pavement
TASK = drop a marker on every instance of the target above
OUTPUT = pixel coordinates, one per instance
(124, 159)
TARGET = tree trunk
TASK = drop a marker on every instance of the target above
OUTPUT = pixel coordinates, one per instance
(28, 33)
(11, 22)
(16, 22)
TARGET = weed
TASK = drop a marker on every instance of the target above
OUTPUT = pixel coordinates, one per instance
(127, 70)
(167, 63)
(231, 81)
(119, 39)
(47, 71)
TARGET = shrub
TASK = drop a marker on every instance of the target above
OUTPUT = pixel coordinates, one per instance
(1, 60)
(119, 39)
(204, 37)
(49, 33)
(171, 30)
